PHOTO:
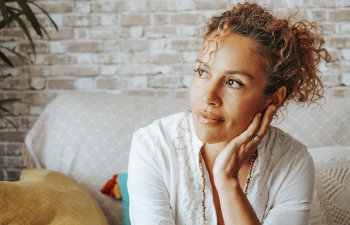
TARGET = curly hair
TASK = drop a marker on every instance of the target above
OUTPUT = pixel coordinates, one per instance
(292, 51)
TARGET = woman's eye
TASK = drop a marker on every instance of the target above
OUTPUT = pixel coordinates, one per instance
(233, 83)
(201, 73)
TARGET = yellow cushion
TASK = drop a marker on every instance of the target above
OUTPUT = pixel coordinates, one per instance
(50, 198)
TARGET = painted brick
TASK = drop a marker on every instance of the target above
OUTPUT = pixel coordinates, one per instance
(35, 110)
(136, 32)
(109, 58)
(57, 47)
(82, 7)
(345, 79)
(135, 19)
(160, 19)
(161, 6)
(319, 15)
(112, 33)
(109, 70)
(109, 19)
(165, 82)
(339, 15)
(134, 45)
(14, 149)
(190, 31)
(108, 6)
(211, 5)
(14, 161)
(83, 71)
(345, 66)
(57, 7)
(11, 34)
(186, 45)
(60, 84)
(338, 42)
(82, 33)
(341, 92)
(19, 108)
(345, 54)
(84, 47)
(35, 98)
(83, 58)
(15, 83)
(39, 47)
(160, 32)
(186, 18)
(81, 21)
(165, 58)
(85, 83)
(122, 82)
(54, 59)
(62, 34)
(12, 136)
(3, 150)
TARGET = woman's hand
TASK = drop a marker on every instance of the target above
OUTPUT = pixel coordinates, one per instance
(241, 148)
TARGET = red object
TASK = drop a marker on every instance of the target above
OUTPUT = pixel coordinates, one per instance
(109, 186)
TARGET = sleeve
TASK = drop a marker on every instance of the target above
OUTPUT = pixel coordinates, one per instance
(294, 191)
(148, 195)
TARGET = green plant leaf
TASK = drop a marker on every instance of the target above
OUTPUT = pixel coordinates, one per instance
(4, 12)
(24, 28)
(9, 100)
(22, 57)
(5, 59)
(11, 18)
(27, 11)
(5, 110)
(46, 13)
(8, 121)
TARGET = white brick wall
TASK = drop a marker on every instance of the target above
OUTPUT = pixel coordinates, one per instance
(136, 46)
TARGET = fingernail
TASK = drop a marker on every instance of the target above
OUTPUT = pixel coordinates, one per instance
(273, 108)
(259, 115)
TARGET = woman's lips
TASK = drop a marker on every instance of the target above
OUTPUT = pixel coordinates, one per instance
(209, 118)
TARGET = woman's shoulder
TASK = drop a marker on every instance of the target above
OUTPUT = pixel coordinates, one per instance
(287, 148)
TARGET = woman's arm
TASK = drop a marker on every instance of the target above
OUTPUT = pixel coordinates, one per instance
(148, 195)
(292, 190)
(235, 206)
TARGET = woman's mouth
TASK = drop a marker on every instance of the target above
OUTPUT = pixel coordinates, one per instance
(209, 118)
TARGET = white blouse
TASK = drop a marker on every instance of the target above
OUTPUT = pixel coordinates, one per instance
(165, 183)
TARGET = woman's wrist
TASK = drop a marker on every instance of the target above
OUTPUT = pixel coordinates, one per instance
(222, 183)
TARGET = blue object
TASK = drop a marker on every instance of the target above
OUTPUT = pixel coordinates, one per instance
(122, 179)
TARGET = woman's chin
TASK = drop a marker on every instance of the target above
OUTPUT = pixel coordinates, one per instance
(210, 138)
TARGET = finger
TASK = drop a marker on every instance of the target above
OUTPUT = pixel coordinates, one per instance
(264, 125)
(250, 131)
(266, 121)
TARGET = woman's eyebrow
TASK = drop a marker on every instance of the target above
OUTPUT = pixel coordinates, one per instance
(240, 72)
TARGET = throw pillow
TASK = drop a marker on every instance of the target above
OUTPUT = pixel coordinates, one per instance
(47, 197)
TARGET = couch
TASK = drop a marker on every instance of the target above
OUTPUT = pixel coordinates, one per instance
(86, 135)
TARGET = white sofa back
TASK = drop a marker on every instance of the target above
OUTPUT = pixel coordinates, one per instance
(87, 135)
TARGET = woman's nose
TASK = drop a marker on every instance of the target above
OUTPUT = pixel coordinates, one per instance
(211, 95)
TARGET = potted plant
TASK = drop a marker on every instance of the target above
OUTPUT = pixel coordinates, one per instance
(18, 11)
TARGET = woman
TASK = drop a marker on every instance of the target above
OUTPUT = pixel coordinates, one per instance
(222, 162)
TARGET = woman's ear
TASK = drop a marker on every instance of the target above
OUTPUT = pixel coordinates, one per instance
(278, 97)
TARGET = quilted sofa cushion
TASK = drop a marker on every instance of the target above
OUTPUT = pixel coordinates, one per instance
(332, 187)
(87, 137)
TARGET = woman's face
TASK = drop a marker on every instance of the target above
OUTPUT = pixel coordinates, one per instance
(228, 88)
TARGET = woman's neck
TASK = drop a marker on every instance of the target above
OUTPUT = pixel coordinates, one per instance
(211, 151)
